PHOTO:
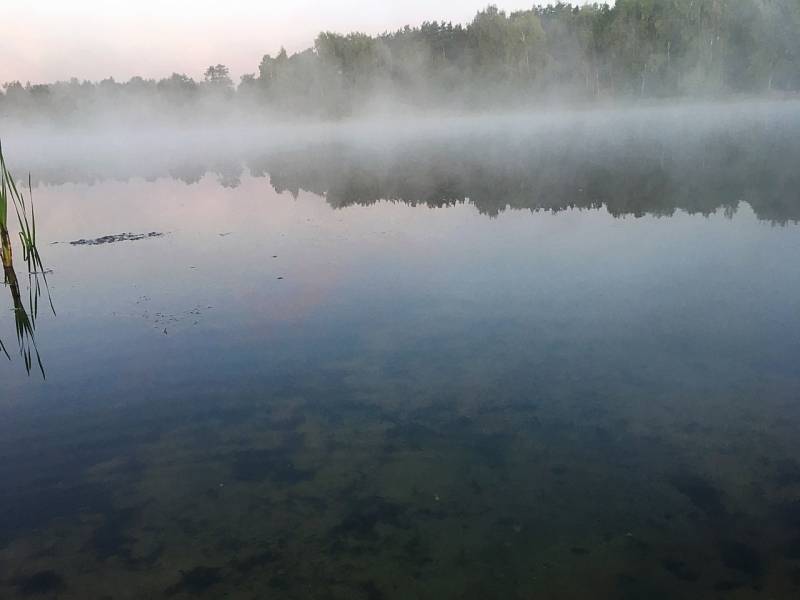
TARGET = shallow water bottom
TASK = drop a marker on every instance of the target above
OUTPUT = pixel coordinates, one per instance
(304, 494)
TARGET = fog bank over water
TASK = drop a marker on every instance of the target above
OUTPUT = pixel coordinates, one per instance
(146, 145)
(698, 157)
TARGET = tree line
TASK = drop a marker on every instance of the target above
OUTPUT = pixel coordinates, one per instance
(635, 49)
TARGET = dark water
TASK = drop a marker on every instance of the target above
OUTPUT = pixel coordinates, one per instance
(502, 368)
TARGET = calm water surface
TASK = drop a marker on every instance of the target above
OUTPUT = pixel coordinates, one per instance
(342, 376)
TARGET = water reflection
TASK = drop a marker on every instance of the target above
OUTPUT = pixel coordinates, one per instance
(656, 163)
(282, 400)
(495, 175)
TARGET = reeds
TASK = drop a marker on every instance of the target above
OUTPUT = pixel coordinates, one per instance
(26, 217)
(24, 317)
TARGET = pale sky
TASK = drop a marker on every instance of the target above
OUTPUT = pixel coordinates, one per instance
(47, 40)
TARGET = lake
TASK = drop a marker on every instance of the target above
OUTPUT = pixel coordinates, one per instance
(522, 357)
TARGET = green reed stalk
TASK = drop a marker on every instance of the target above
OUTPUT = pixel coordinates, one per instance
(26, 218)
(25, 215)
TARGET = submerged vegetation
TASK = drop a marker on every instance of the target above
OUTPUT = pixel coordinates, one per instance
(634, 49)
(24, 315)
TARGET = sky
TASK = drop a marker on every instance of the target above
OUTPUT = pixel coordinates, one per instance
(48, 40)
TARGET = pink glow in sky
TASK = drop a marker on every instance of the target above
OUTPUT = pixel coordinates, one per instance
(47, 40)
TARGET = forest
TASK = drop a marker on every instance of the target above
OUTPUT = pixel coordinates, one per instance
(556, 53)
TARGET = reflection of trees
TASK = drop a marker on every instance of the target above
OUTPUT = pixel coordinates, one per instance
(632, 165)
(628, 177)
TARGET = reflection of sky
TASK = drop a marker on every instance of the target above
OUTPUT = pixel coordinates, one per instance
(680, 301)
(153, 39)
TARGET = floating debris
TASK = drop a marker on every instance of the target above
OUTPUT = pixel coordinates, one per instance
(168, 322)
(120, 237)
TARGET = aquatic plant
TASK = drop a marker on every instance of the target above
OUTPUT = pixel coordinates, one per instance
(26, 218)
(24, 317)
